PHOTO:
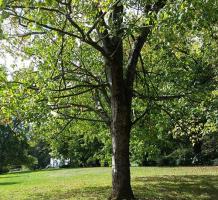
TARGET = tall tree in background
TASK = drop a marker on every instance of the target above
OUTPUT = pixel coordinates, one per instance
(13, 148)
(87, 53)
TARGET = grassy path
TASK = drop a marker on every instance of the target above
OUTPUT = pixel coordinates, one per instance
(150, 183)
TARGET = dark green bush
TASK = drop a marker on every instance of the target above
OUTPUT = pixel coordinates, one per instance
(215, 162)
(178, 157)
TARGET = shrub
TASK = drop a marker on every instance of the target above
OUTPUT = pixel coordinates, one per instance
(176, 158)
(215, 162)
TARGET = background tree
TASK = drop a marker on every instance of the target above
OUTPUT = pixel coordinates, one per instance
(40, 150)
(13, 149)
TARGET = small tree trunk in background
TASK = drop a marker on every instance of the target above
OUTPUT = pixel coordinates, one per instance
(197, 148)
(197, 152)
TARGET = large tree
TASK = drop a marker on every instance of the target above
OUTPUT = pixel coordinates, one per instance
(87, 54)
(13, 148)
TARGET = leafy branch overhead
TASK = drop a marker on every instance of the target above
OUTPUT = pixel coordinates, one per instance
(117, 62)
(33, 18)
(110, 27)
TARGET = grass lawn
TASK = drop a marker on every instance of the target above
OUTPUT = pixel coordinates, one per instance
(149, 183)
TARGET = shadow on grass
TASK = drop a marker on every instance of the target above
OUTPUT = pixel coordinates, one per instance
(8, 183)
(147, 188)
(33, 171)
(177, 187)
(1, 177)
(94, 193)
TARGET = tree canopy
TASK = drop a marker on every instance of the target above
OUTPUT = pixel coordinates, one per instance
(120, 64)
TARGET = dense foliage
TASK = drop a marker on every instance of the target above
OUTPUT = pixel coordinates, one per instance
(147, 67)
(13, 148)
(167, 54)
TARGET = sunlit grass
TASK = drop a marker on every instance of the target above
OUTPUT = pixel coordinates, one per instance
(150, 183)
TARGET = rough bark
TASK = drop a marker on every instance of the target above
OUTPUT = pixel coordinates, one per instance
(120, 132)
(121, 121)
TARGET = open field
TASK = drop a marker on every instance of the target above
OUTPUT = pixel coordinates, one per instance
(150, 183)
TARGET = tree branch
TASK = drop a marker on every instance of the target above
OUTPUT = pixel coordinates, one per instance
(131, 65)
(139, 43)
(160, 98)
(141, 116)
(80, 118)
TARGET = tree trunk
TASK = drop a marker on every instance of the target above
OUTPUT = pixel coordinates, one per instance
(121, 187)
(1, 169)
(121, 97)
(120, 132)
(197, 147)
